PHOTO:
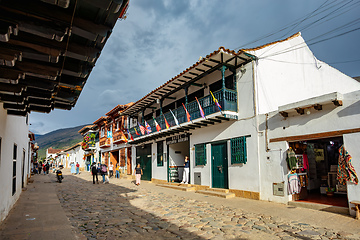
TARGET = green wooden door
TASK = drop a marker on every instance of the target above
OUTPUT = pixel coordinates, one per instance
(143, 156)
(219, 165)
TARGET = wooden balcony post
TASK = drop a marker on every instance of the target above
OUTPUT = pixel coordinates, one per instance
(223, 69)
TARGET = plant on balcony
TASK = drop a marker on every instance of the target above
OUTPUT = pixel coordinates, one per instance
(89, 140)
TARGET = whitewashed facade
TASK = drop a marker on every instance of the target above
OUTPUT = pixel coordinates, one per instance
(15, 159)
(273, 82)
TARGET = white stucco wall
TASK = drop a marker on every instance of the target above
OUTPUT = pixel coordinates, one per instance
(329, 119)
(241, 177)
(294, 75)
(13, 130)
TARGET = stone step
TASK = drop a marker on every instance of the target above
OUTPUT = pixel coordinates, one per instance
(222, 190)
(183, 187)
(216, 193)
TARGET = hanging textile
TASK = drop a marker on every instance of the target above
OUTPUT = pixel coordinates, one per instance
(346, 171)
(294, 183)
(305, 162)
(291, 158)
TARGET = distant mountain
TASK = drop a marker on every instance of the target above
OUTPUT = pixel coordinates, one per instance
(58, 139)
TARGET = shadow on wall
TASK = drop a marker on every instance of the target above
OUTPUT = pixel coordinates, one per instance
(352, 109)
(104, 211)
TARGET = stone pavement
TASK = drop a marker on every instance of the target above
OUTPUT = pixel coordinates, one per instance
(122, 210)
(38, 214)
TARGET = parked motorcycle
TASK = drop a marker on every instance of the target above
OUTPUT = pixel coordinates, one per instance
(59, 176)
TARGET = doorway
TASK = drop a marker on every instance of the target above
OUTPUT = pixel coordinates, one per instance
(143, 156)
(219, 163)
(176, 160)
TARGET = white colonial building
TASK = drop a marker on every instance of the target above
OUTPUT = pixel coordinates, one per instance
(272, 98)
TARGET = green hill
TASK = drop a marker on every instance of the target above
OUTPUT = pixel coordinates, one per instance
(58, 139)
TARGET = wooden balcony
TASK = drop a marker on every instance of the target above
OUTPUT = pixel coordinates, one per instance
(105, 142)
(118, 137)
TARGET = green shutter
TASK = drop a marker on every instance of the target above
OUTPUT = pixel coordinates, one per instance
(200, 154)
(238, 150)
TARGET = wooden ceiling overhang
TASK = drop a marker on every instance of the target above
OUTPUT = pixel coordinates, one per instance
(200, 69)
(48, 49)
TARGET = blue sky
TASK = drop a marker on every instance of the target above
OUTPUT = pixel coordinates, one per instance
(161, 38)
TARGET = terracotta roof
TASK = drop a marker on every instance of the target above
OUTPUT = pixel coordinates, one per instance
(272, 43)
(204, 65)
(119, 108)
(53, 151)
(100, 120)
(87, 128)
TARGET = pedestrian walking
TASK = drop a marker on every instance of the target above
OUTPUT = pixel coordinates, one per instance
(47, 167)
(138, 172)
(72, 170)
(104, 172)
(117, 169)
(185, 179)
(77, 168)
(39, 167)
(94, 172)
(111, 170)
(44, 168)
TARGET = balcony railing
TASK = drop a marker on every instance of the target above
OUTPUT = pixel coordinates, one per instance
(227, 99)
(104, 142)
(118, 137)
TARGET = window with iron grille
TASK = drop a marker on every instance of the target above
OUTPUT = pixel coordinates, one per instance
(200, 154)
(238, 150)
(160, 153)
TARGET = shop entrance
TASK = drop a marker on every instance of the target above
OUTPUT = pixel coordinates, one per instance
(143, 156)
(114, 157)
(219, 165)
(317, 165)
(178, 147)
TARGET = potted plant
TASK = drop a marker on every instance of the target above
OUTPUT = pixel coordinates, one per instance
(330, 191)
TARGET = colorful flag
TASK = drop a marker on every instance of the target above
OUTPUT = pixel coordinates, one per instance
(216, 101)
(158, 128)
(200, 108)
(131, 137)
(136, 132)
(188, 118)
(166, 123)
(126, 140)
(176, 121)
(142, 129)
(148, 128)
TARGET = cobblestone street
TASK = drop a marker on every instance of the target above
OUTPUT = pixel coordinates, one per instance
(121, 209)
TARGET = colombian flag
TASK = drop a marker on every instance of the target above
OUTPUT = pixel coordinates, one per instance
(136, 132)
(166, 123)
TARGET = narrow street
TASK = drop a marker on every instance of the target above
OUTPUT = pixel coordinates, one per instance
(122, 210)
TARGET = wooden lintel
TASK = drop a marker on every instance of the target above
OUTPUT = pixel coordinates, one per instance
(318, 107)
(338, 103)
(337, 133)
(300, 111)
(284, 114)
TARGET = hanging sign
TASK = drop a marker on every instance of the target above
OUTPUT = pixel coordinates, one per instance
(177, 139)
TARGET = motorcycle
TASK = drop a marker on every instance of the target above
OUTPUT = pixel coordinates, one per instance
(59, 176)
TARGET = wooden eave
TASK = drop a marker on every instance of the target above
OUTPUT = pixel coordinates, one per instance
(203, 67)
(51, 46)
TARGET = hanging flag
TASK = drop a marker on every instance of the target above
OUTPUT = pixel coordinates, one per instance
(188, 118)
(131, 137)
(126, 140)
(142, 129)
(148, 128)
(166, 123)
(136, 132)
(216, 101)
(176, 121)
(158, 128)
(200, 108)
